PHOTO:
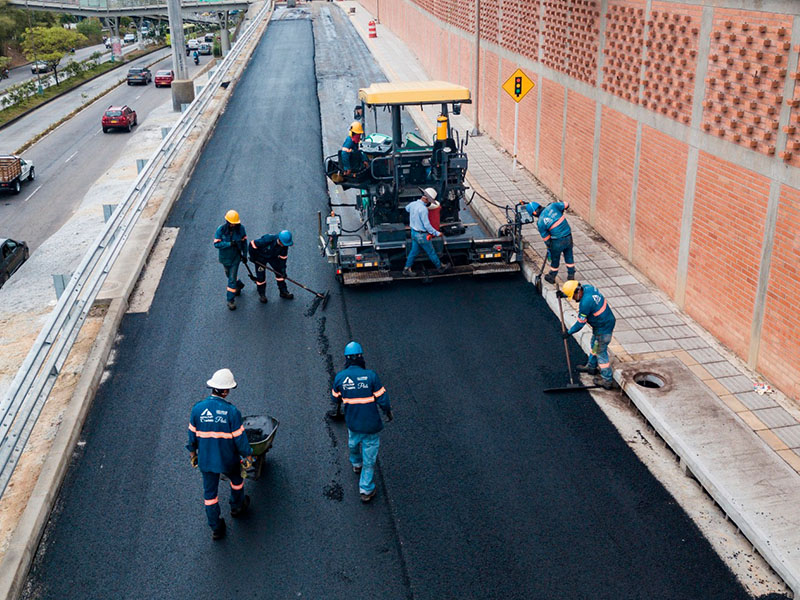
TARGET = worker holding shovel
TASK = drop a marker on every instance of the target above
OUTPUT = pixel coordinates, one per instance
(594, 309)
(272, 250)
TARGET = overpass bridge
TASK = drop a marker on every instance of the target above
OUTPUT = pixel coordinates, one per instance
(128, 8)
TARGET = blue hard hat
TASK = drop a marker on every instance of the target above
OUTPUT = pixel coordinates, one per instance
(532, 207)
(285, 237)
(353, 348)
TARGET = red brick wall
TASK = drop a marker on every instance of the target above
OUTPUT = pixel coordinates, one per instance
(659, 207)
(578, 151)
(615, 177)
(552, 124)
(780, 342)
(730, 207)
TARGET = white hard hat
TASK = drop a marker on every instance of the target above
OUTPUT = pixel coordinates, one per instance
(222, 380)
(430, 193)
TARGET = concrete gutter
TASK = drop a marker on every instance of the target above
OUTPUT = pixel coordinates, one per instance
(113, 300)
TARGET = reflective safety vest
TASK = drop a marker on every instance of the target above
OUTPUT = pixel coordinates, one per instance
(552, 223)
(217, 434)
(231, 241)
(361, 393)
(594, 309)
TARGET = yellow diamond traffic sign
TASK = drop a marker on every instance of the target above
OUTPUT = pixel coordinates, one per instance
(518, 85)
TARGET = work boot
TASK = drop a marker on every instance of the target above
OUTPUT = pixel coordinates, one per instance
(570, 276)
(407, 272)
(231, 305)
(238, 512)
(443, 269)
(356, 468)
(262, 299)
(587, 369)
(239, 287)
(368, 497)
(550, 277)
(219, 532)
(287, 295)
(606, 384)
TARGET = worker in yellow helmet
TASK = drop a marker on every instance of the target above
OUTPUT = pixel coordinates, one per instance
(231, 241)
(350, 153)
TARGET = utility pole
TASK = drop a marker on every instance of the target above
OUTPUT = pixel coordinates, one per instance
(182, 86)
(477, 81)
(378, 16)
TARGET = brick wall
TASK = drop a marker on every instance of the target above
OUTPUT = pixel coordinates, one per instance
(724, 83)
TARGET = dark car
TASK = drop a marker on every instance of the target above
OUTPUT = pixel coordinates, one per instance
(119, 117)
(139, 75)
(12, 255)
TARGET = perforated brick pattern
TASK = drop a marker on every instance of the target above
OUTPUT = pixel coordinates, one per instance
(570, 37)
(671, 63)
(623, 51)
(746, 75)
(791, 153)
(490, 20)
(519, 31)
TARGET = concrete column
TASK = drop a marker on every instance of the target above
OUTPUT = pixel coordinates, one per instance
(634, 190)
(224, 35)
(182, 86)
(476, 89)
(540, 18)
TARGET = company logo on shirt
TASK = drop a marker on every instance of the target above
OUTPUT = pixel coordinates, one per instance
(348, 384)
(597, 298)
(206, 416)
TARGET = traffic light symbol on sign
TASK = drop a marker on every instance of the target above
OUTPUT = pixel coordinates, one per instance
(517, 86)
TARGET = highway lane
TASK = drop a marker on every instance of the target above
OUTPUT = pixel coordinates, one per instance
(487, 488)
(71, 158)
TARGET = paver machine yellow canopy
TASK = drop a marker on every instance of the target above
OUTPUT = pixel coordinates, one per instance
(390, 172)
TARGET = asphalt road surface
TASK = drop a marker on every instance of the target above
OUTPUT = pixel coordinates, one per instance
(71, 158)
(487, 488)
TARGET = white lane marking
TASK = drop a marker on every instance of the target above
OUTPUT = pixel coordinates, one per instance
(96, 132)
(33, 192)
(139, 96)
(71, 156)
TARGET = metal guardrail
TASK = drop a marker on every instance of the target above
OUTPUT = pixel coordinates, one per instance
(22, 405)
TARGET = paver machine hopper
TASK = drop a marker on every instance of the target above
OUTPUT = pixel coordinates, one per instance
(390, 172)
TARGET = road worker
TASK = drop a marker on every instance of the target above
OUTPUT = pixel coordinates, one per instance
(557, 236)
(422, 232)
(217, 440)
(351, 154)
(231, 241)
(361, 393)
(594, 309)
(271, 250)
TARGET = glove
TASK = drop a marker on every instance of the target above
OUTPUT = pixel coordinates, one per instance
(560, 294)
(248, 462)
(389, 415)
(193, 460)
(429, 237)
(566, 335)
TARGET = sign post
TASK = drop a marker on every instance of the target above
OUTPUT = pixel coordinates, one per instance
(517, 86)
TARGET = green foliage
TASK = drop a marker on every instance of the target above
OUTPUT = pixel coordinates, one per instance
(50, 44)
(14, 21)
(4, 62)
(91, 28)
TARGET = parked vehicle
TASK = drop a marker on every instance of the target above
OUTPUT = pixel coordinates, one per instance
(209, 38)
(204, 48)
(164, 77)
(13, 171)
(119, 117)
(192, 44)
(40, 67)
(12, 255)
(129, 38)
(139, 75)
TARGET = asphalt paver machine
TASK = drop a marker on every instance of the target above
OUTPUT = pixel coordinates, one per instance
(390, 173)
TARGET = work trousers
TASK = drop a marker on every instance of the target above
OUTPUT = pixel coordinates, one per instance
(419, 241)
(557, 248)
(234, 283)
(261, 276)
(211, 490)
(599, 356)
(364, 456)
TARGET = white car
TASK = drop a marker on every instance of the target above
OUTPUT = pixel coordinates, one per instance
(192, 44)
(129, 38)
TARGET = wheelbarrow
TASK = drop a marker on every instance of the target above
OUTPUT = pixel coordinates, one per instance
(260, 431)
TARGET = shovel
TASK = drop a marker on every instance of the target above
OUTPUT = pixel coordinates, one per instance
(537, 281)
(571, 386)
(321, 298)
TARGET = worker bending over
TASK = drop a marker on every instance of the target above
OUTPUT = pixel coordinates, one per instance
(557, 236)
(231, 241)
(216, 441)
(593, 308)
(272, 250)
(361, 392)
(422, 231)
(351, 154)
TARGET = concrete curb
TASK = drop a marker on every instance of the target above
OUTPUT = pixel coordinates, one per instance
(25, 540)
(49, 100)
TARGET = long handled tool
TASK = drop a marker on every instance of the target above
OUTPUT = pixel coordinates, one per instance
(571, 386)
(323, 298)
(537, 281)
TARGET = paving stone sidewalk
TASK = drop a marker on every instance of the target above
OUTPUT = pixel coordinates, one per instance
(649, 325)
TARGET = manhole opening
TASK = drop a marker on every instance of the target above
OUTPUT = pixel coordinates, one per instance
(648, 380)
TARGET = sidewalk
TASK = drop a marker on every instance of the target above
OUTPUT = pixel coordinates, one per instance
(743, 446)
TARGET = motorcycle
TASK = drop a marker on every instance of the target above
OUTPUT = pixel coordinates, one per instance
(196, 59)
(4, 74)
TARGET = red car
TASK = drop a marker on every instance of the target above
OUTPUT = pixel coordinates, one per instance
(119, 117)
(164, 78)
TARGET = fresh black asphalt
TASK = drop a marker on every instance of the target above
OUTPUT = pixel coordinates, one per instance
(487, 488)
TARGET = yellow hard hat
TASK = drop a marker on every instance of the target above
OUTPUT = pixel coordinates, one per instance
(232, 217)
(568, 289)
(356, 127)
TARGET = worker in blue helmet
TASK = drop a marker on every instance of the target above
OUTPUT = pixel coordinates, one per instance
(273, 251)
(557, 236)
(361, 393)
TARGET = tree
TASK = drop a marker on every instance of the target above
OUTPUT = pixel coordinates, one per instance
(4, 62)
(91, 28)
(50, 44)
